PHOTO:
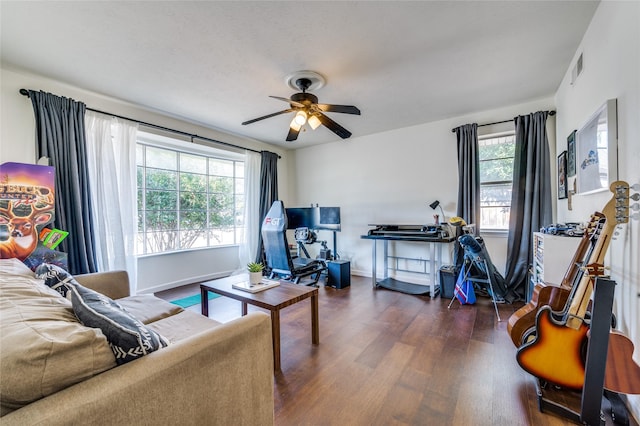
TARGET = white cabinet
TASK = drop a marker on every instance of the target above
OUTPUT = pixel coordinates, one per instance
(551, 257)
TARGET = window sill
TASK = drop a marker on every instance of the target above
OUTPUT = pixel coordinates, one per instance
(185, 251)
(503, 233)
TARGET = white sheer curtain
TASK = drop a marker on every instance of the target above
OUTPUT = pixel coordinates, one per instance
(111, 151)
(252, 220)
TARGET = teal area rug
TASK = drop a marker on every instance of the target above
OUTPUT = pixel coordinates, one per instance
(185, 302)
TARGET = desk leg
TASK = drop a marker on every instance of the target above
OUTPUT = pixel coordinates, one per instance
(275, 338)
(204, 301)
(373, 264)
(432, 269)
(385, 273)
(438, 266)
(315, 326)
(244, 308)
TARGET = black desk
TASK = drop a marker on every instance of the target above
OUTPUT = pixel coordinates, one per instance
(435, 260)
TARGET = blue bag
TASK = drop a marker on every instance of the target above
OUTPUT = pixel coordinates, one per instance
(464, 290)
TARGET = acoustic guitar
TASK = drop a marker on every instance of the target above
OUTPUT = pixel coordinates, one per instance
(557, 352)
(621, 373)
(522, 323)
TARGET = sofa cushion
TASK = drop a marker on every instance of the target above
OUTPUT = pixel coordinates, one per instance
(183, 325)
(113, 284)
(44, 347)
(148, 308)
(128, 337)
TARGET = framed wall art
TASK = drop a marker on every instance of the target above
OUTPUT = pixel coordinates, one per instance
(571, 154)
(562, 175)
(597, 150)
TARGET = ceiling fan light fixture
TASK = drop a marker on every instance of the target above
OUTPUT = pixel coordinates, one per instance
(300, 118)
(306, 108)
(314, 122)
(295, 125)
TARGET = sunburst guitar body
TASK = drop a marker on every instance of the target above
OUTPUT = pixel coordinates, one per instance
(521, 324)
(523, 321)
(556, 355)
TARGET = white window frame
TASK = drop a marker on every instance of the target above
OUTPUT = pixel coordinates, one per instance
(483, 228)
(152, 139)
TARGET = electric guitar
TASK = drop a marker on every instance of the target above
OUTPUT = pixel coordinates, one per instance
(556, 353)
(522, 322)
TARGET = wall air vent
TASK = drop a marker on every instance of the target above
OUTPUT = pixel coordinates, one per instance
(577, 69)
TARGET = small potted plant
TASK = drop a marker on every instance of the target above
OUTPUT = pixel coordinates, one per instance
(255, 272)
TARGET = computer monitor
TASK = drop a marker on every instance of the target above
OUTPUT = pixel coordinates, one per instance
(299, 218)
(319, 218)
(329, 218)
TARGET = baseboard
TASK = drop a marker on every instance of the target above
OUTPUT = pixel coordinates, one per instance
(186, 281)
(361, 273)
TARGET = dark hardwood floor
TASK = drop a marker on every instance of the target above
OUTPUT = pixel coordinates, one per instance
(391, 358)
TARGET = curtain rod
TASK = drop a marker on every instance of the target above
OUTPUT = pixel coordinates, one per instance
(552, 113)
(25, 92)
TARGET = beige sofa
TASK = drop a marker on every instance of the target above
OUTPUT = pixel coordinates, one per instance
(210, 373)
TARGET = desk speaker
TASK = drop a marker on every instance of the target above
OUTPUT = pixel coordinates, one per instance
(339, 273)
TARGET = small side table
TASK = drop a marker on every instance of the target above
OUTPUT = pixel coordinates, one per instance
(273, 299)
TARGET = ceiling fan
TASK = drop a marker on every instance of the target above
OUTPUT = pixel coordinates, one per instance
(308, 110)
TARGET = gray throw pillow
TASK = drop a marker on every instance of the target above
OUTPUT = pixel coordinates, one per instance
(54, 277)
(129, 338)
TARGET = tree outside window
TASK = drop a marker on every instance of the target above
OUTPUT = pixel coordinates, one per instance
(496, 178)
(187, 200)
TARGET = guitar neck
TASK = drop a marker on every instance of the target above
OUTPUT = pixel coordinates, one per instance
(615, 212)
(584, 250)
(584, 289)
(576, 261)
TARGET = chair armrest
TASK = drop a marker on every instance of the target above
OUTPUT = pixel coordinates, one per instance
(113, 284)
(221, 376)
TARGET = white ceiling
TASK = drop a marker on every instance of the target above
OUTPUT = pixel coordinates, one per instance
(216, 63)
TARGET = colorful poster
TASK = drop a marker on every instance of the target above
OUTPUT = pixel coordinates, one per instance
(26, 207)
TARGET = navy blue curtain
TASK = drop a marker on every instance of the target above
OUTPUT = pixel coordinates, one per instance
(268, 193)
(60, 136)
(530, 199)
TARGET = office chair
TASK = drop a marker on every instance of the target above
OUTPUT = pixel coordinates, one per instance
(478, 269)
(280, 263)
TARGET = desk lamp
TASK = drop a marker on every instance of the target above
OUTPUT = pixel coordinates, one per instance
(435, 204)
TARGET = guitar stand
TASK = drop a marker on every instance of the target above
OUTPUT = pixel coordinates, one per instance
(563, 402)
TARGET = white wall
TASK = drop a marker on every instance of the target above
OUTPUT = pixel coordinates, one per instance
(17, 144)
(392, 177)
(611, 52)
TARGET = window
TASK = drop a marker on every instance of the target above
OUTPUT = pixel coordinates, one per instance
(187, 198)
(496, 177)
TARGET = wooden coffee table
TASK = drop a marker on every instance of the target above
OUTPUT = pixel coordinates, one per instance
(273, 299)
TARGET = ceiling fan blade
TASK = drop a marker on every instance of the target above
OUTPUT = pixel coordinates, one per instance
(267, 116)
(292, 135)
(289, 101)
(333, 126)
(345, 109)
